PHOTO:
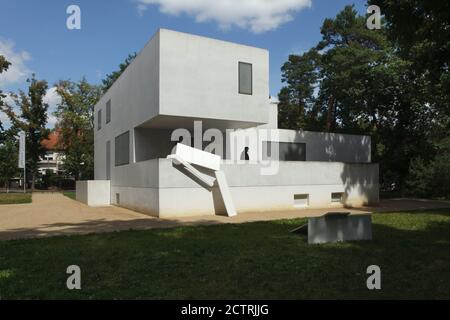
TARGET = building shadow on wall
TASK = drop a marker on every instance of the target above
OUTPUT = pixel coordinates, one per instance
(357, 174)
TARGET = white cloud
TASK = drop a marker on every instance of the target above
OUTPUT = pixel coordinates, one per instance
(53, 99)
(141, 7)
(8, 99)
(257, 15)
(18, 71)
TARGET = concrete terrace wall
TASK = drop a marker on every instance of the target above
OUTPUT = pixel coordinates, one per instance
(135, 186)
(323, 146)
(94, 193)
(252, 191)
(320, 146)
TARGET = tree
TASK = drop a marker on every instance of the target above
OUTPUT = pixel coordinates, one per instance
(362, 86)
(8, 162)
(32, 120)
(8, 145)
(4, 65)
(75, 122)
(297, 101)
(112, 77)
(420, 31)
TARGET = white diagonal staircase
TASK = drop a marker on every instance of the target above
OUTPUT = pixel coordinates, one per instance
(186, 156)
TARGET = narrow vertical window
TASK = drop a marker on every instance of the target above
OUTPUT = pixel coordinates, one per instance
(99, 119)
(108, 111)
(245, 78)
(108, 160)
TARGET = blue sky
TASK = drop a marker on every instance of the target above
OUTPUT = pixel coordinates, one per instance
(34, 33)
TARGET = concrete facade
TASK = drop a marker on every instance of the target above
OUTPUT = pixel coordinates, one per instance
(95, 193)
(250, 190)
(178, 79)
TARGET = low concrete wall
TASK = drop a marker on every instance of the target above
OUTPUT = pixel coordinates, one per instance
(159, 188)
(140, 199)
(135, 186)
(252, 191)
(94, 193)
(81, 191)
(320, 146)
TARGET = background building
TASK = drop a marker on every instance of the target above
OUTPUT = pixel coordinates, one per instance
(54, 156)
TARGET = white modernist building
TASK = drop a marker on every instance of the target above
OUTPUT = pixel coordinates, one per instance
(214, 95)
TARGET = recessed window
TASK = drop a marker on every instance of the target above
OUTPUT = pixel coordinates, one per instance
(301, 200)
(245, 78)
(99, 119)
(122, 149)
(337, 197)
(108, 111)
(108, 160)
(287, 151)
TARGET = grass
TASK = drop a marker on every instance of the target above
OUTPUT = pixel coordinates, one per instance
(15, 198)
(260, 260)
(70, 194)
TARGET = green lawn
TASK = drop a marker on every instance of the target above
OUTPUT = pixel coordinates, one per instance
(70, 194)
(15, 198)
(259, 260)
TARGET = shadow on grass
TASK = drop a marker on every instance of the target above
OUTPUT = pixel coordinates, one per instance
(259, 260)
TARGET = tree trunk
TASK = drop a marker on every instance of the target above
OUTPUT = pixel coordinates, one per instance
(330, 114)
(33, 176)
(301, 120)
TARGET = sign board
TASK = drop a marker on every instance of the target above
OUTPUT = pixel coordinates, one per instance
(21, 149)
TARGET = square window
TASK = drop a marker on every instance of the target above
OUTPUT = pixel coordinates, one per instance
(301, 200)
(337, 197)
(245, 78)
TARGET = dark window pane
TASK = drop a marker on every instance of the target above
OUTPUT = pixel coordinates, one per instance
(99, 119)
(287, 151)
(122, 149)
(108, 111)
(245, 78)
(108, 160)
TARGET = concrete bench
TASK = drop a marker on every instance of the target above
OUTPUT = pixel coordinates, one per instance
(337, 226)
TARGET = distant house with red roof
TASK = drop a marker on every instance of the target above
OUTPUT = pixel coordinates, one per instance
(54, 156)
